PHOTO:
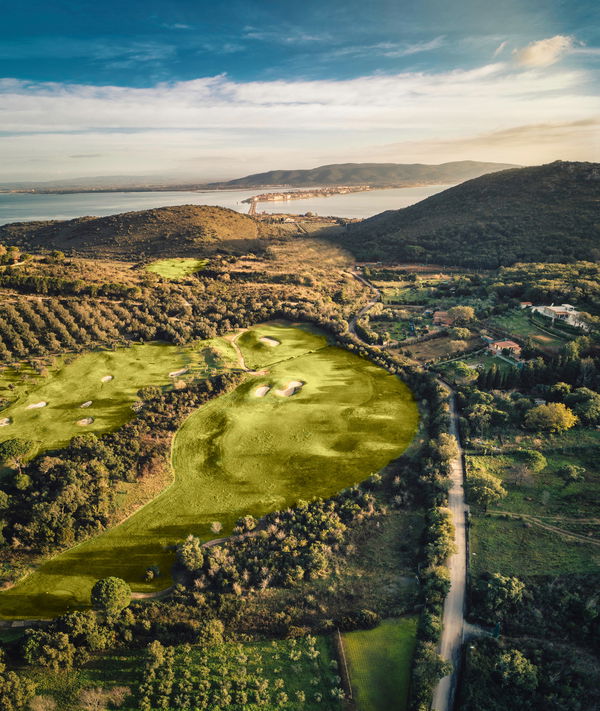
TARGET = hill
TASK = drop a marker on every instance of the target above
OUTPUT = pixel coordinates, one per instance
(375, 174)
(181, 230)
(547, 213)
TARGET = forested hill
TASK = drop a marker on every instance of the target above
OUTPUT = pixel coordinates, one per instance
(548, 213)
(374, 174)
(164, 231)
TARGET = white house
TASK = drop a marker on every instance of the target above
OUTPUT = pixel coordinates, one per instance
(564, 312)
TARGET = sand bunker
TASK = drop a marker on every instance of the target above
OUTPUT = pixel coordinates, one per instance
(269, 341)
(36, 405)
(177, 373)
(290, 389)
(107, 378)
(86, 404)
(262, 391)
(4, 421)
(85, 421)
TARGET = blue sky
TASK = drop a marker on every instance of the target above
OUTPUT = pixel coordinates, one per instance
(218, 88)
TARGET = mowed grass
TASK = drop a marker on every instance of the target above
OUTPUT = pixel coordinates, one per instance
(242, 454)
(174, 269)
(290, 343)
(379, 662)
(67, 387)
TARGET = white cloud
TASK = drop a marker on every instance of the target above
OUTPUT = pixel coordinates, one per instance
(231, 126)
(544, 52)
(499, 49)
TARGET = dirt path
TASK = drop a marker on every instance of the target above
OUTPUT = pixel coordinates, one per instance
(534, 521)
(454, 605)
(367, 307)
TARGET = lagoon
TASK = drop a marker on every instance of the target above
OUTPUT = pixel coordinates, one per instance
(24, 207)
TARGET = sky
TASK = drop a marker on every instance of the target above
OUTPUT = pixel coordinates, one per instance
(199, 90)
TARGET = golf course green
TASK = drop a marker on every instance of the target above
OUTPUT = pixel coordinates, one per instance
(100, 386)
(314, 423)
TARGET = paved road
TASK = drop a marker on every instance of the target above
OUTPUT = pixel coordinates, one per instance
(453, 617)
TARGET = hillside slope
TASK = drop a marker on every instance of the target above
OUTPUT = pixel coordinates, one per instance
(375, 174)
(164, 231)
(548, 213)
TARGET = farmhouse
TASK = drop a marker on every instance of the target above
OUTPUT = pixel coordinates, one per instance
(564, 312)
(499, 347)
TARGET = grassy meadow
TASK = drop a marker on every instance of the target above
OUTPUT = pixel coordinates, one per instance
(67, 386)
(379, 662)
(242, 454)
(177, 268)
(518, 544)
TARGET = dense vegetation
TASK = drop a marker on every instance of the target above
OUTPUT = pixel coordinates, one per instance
(546, 213)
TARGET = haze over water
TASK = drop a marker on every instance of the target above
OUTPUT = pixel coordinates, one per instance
(24, 207)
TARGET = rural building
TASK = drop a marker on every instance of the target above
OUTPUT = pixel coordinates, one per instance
(442, 318)
(500, 347)
(526, 304)
(564, 312)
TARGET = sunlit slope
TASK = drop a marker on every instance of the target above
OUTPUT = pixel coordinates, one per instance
(243, 454)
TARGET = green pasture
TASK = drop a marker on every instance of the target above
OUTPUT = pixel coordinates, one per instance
(175, 269)
(243, 454)
(379, 662)
(68, 386)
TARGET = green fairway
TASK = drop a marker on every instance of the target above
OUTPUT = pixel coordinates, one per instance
(174, 269)
(67, 387)
(240, 454)
(273, 342)
(379, 662)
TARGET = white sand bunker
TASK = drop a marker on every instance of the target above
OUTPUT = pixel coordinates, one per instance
(177, 373)
(291, 388)
(269, 341)
(36, 405)
(4, 421)
(85, 421)
(262, 391)
(107, 378)
(86, 404)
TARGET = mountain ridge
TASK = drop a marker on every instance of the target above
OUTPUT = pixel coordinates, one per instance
(374, 174)
(544, 213)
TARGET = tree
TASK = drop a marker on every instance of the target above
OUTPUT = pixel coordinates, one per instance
(111, 595)
(570, 474)
(190, 553)
(461, 314)
(15, 691)
(585, 404)
(515, 669)
(459, 333)
(500, 593)
(447, 447)
(485, 489)
(553, 417)
(15, 449)
(48, 649)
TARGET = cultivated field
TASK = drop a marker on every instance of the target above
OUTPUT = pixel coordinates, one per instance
(379, 662)
(174, 269)
(243, 453)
